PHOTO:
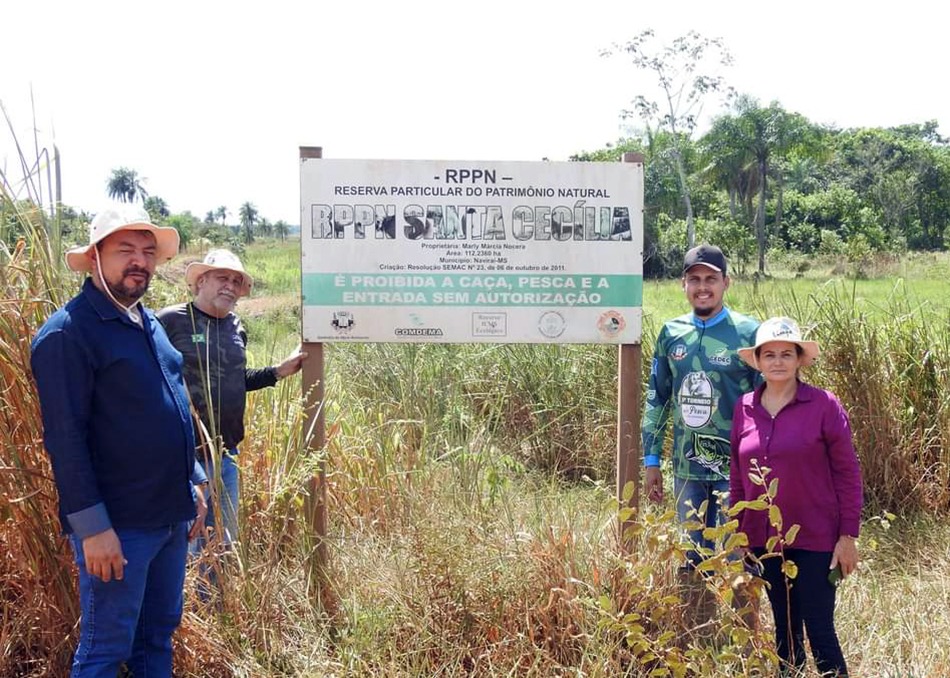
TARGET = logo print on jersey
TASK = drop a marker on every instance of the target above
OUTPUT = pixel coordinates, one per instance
(678, 352)
(710, 452)
(696, 399)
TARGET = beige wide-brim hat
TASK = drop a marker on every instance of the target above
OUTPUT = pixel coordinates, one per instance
(780, 329)
(123, 218)
(220, 260)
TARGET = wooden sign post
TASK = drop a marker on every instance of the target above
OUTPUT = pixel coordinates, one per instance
(628, 421)
(315, 439)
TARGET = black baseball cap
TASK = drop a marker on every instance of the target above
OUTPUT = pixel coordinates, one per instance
(706, 255)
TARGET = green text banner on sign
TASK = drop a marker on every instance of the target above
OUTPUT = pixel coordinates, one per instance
(451, 251)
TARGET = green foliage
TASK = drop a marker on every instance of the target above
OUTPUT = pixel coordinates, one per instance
(735, 240)
(281, 229)
(830, 209)
(687, 74)
(611, 152)
(830, 242)
(157, 209)
(804, 237)
(187, 226)
(858, 252)
(790, 182)
(902, 173)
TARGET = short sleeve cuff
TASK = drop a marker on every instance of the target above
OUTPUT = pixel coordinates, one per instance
(90, 521)
(650, 460)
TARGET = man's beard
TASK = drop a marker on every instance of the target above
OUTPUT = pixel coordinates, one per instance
(130, 292)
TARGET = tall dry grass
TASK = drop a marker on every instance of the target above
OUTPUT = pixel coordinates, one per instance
(36, 583)
(890, 366)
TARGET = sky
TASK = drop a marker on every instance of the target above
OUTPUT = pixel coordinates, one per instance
(210, 101)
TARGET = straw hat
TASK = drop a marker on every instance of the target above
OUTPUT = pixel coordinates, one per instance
(118, 218)
(780, 329)
(216, 260)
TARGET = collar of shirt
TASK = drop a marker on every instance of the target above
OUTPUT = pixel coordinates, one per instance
(715, 320)
(104, 307)
(803, 394)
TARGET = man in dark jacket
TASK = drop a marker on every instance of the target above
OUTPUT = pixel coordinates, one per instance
(117, 428)
(214, 345)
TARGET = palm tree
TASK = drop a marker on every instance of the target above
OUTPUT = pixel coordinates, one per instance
(222, 214)
(265, 227)
(209, 217)
(750, 147)
(249, 216)
(730, 166)
(126, 185)
(770, 133)
(157, 208)
(281, 229)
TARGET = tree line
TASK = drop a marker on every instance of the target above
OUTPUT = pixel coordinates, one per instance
(763, 180)
(126, 185)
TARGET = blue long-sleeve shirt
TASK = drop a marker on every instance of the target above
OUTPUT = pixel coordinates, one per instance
(116, 422)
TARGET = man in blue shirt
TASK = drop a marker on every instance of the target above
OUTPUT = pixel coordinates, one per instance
(117, 427)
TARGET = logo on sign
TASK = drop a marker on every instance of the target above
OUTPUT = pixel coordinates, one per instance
(489, 324)
(418, 332)
(551, 324)
(611, 324)
(343, 321)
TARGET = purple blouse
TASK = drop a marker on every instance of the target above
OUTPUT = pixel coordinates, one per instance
(807, 446)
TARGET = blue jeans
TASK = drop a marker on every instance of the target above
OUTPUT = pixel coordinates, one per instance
(228, 496)
(132, 620)
(806, 603)
(690, 495)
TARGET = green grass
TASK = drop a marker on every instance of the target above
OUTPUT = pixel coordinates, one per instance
(275, 266)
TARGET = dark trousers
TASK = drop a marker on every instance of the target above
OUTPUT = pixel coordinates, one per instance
(807, 600)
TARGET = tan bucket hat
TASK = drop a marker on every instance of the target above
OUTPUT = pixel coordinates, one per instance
(118, 218)
(780, 329)
(217, 260)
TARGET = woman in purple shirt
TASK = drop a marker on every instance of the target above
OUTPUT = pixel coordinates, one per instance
(801, 435)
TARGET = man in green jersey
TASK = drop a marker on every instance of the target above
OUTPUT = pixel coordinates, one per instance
(696, 378)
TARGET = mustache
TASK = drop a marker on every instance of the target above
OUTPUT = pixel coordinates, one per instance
(136, 269)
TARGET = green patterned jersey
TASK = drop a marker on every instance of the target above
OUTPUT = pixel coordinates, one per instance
(697, 377)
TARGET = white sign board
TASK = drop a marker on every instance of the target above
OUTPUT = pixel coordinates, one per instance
(456, 251)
